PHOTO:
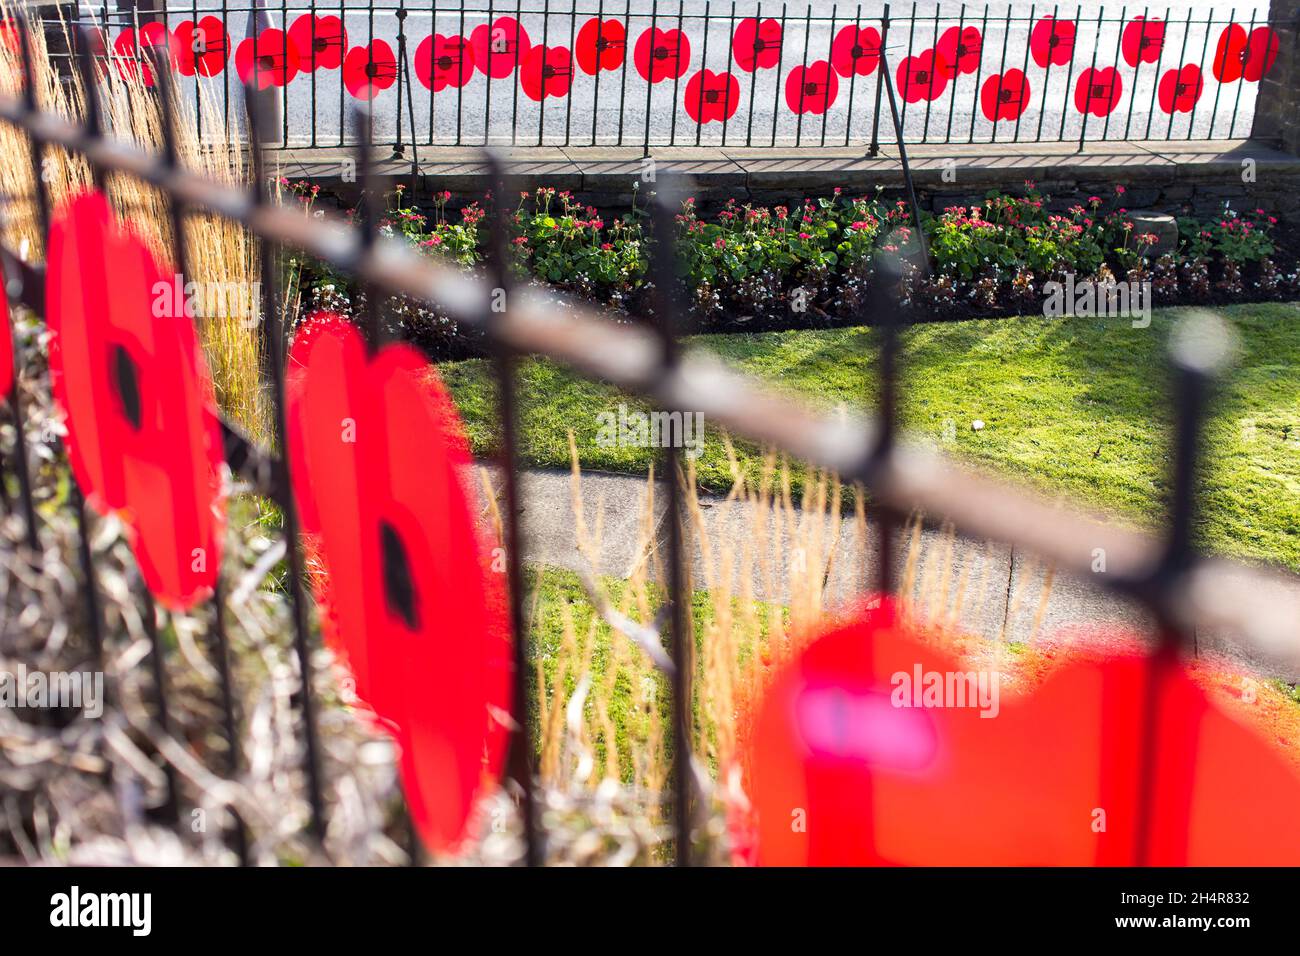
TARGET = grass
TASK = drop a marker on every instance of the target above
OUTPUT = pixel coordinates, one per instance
(1076, 406)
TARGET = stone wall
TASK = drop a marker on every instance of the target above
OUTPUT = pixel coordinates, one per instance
(1277, 111)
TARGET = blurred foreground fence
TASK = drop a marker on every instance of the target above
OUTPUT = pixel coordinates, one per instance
(636, 73)
(1185, 591)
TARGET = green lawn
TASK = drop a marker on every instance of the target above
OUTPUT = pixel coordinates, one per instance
(1077, 406)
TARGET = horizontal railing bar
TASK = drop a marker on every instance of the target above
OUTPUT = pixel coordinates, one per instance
(1212, 593)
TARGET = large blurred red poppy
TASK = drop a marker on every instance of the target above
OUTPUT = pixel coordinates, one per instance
(546, 71)
(6, 348)
(601, 45)
(922, 77)
(856, 50)
(712, 96)
(409, 598)
(876, 747)
(128, 373)
(132, 58)
(1005, 96)
(960, 49)
(1052, 41)
(442, 61)
(757, 45)
(1142, 41)
(1179, 90)
(499, 47)
(661, 54)
(319, 42)
(268, 59)
(812, 89)
(1239, 55)
(1098, 91)
(201, 48)
(369, 70)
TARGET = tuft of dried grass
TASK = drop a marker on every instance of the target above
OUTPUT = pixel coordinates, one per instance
(222, 255)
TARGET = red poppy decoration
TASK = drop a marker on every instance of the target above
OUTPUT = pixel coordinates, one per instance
(499, 46)
(369, 70)
(1142, 41)
(712, 96)
(6, 347)
(268, 59)
(601, 45)
(133, 58)
(856, 50)
(1052, 41)
(1239, 55)
(960, 49)
(128, 373)
(410, 601)
(812, 89)
(1179, 90)
(201, 48)
(546, 71)
(661, 54)
(1005, 96)
(444, 61)
(320, 42)
(922, 77)
(10, 38)
(96, 44)
(875, 741)
(757, 44)
(1098, 91)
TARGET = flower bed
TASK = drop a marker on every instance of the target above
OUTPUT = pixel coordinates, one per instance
(751, 268)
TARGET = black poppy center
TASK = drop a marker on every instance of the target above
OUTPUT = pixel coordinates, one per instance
(321, 44)
(1053, 40)
(810, 89)
(662, 53)
(445, 62)
(266, 62)
(961, 50)
(548, 71)
(1180, 89)
(399, 585)
(1099, 91)
(857, 52)
(923, 76)
(759, 45)
(1005, 96)
(711, 96)
(126, 384)
(372, 69)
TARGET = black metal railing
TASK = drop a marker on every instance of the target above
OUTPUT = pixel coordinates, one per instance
(641, 74)
(1184, 590)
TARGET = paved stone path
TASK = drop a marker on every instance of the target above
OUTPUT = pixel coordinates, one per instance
(1005, 592)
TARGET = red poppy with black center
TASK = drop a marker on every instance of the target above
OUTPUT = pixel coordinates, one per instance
(812, 89)
(1005, 96)
(855, 50)
(712, 96)
(546, 71)
(1098, 91)
(369, 70)
(922, 77)
(1142, 41)
(1179, 90)
(1240, 55)
(757, 44)
(601, 45)
(320, 42)
(133, 59)
(380, 470)
(442, 61)
(128, 373)
(268, 59)
(875, 739)
(201, 48)
(960, 49)
(499, 46)
(1052, 41)
(661, 54)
